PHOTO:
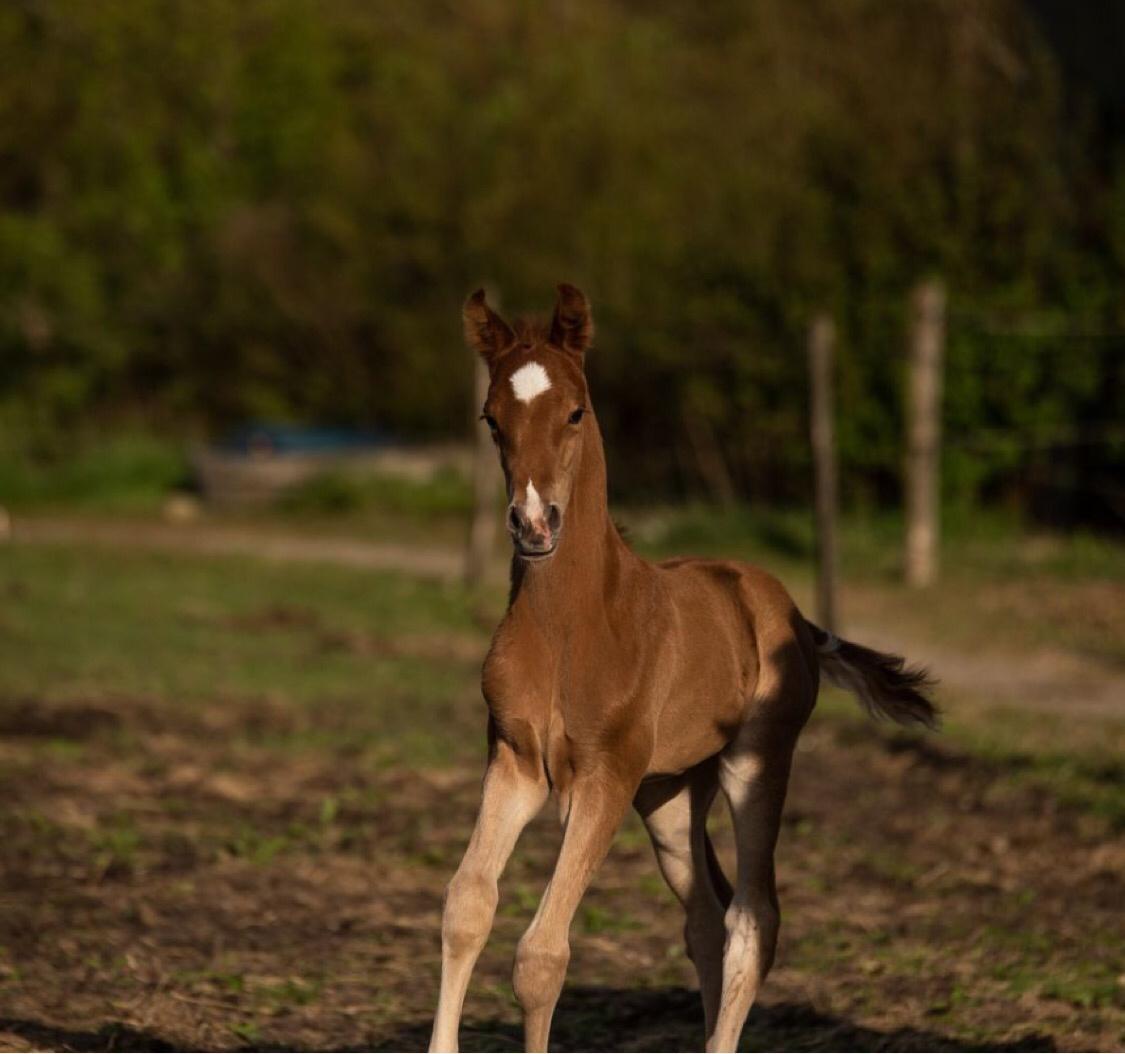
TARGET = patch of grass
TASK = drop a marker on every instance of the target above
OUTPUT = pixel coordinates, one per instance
(1080, 783)
(64, 749)
(892, 866)
(115, 846)
(291, 992)
(596, 919)
(329, 810)
(328, 493)
(335, 493)
(1076, 762)
(227, 981)
(522, 900)
(224, 980)
(824, 947)
(1086, 985)
(981, 543)
(1024, 960)
(632, 834)
(247, 1031)
(129, 473)
(10, 973)
(257, 847)
(703, 530)
(653, 885)
(1090, 779)
(89, 624)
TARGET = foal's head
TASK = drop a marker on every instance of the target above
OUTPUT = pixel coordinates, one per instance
(537, 409)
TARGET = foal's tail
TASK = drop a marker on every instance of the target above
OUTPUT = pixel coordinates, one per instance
(883, 683)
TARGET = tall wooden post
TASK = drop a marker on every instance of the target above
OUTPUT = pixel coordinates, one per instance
(482, 527)
(923, 424)
(709, 458)
(822, 341)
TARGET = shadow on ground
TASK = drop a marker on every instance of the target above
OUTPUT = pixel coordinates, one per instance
(114, 1036)
(669, 1019)
(588, 1018)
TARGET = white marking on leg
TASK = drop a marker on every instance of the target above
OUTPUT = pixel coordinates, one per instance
(533, 507)
(529, 381)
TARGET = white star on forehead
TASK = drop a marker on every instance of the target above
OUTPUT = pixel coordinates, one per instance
(529, 381)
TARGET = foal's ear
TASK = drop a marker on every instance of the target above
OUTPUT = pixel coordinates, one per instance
(485, 331)
(572, 325)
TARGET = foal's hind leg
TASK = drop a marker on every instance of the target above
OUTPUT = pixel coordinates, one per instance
(753, 772)
(675, 813)
(513, 794)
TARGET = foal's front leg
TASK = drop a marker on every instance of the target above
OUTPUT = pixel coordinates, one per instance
(597, 804)
(513, 794)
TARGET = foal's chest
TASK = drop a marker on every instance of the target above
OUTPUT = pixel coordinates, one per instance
(575, 685)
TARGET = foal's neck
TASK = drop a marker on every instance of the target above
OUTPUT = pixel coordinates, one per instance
(572, 584)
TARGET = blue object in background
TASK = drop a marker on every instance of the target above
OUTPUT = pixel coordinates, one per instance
(265, 437)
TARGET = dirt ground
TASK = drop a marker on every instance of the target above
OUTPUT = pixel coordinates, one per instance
(175, 879)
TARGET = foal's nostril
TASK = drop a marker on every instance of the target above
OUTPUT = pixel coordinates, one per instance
(554, 517)
(514, 520)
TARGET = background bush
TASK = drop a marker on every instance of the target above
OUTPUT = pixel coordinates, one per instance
(273, 209)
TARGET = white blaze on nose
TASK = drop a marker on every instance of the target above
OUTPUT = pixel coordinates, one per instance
(529, 381)
(533, 507)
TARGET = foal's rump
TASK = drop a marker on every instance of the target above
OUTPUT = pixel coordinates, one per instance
(884, 684)
(742, 645)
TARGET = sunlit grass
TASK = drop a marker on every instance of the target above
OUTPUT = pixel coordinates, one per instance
(193, 630)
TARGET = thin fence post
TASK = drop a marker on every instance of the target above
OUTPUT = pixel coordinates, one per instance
(923, 424)
(709, 458)
(822, 432)
(482, 526)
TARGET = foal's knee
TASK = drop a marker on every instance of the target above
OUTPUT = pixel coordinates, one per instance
(470, 904)
(539, 972)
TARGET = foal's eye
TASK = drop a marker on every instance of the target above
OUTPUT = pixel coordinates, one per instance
(576, 416)
(489, 420)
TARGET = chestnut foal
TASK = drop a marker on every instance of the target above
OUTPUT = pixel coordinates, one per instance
(613, 681)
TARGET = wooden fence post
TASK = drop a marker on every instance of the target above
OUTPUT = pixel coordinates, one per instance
(709, 458)
(923, 424)
(482, 526)
(822, 340)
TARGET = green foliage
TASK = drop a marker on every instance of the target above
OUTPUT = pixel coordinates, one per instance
(213, 211)
(977, 545)
(328, 492)
(446, 493)
(130, 472)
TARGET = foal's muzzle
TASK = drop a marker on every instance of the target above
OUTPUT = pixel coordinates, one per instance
(537, 537)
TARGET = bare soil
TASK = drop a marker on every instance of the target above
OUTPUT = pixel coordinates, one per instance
(178, 880)
(236, 540)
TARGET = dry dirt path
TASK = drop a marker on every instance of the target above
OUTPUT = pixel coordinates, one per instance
(224, 540)
(1047, 680)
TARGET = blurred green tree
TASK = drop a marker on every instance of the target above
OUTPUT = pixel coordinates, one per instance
(212, 211)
